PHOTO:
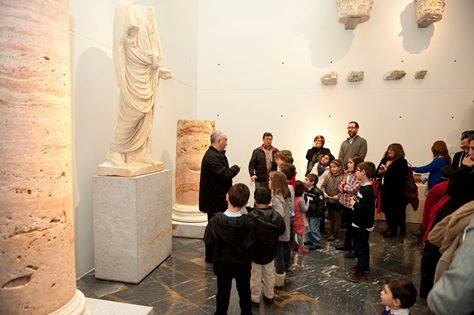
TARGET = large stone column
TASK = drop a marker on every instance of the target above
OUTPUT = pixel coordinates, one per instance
(193, 139)
(353, 12)
(36, 219)
(428, 12)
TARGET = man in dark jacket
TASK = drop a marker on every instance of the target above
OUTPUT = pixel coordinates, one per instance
(227, 235)
(266, 225)
(216, 179)
(262, 161)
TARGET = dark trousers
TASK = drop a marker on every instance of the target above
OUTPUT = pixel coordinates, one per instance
(396, 217)
(431, 256)
(362, 250)
(224, 285)
(208, 251)
(347, 218)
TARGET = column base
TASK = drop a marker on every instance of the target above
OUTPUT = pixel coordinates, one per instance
(76, 306)
(188, 214)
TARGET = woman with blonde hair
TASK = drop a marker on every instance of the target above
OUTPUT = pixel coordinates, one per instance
(281, 204)
(441, 158)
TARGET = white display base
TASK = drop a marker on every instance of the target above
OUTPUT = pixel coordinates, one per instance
(189, 230)
(132, 225)
(103, 307)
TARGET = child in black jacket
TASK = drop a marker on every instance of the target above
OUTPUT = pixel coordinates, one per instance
(363, 206)
(314, 206)
(266, 225)
(227, 235)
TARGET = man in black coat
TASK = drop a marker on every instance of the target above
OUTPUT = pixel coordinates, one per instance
(262, 161)
(216, 179)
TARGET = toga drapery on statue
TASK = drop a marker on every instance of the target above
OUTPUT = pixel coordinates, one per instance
(137, 57)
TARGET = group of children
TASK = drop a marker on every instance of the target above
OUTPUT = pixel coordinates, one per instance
(253, 244)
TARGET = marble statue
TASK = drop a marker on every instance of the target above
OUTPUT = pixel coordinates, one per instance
(193, 139)
(137, 57)
(355, 76)
(353, 12)
(394, 75)
(428, 11)
(329, 78)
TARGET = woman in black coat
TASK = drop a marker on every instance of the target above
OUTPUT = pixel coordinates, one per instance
(313, 154)
(393, 169)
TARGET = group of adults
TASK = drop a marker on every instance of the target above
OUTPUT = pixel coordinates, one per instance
(216, 174)
(448, 209)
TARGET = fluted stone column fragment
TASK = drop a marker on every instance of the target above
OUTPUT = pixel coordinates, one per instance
(428, 11)
(353, 12)
(37, 273)
(193, 139)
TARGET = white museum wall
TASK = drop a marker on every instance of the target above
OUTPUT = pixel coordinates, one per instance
(95, 106)
(254, 66)
(260, 64)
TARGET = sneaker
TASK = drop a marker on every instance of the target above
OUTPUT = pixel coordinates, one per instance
(303, 250)
(268, 300)
(280, 280)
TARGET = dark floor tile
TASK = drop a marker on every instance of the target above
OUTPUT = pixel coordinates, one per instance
(318, 283)
(100, 287)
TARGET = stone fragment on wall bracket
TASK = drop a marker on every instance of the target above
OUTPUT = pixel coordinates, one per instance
(329, 78)
(428, 11)
(353, 12)
(355, 76)
(394, 75)
(420, 74)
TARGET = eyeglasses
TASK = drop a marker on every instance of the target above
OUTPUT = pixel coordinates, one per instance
(358, 170)
(465, 147)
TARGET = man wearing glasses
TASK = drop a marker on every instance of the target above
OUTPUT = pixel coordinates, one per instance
(354, 145)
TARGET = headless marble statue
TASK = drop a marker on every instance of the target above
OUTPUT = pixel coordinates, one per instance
(137, 57)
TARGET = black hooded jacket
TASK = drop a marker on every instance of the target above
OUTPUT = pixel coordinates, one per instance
(265, 225)
(229, 238)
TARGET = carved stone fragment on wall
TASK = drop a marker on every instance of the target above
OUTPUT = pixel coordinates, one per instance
(419, 75)
(193, 139)
(137, 58)
(353, 12)
(394, 75)
(355, 76)
(428, 11)
(329, 78)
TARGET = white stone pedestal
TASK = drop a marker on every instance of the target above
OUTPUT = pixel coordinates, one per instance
(132, 225)
(103, 307)
(189, 230)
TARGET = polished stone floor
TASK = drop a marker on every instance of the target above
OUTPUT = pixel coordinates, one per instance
(318, 283)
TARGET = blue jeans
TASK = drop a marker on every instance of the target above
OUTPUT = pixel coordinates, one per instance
(312, 231)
